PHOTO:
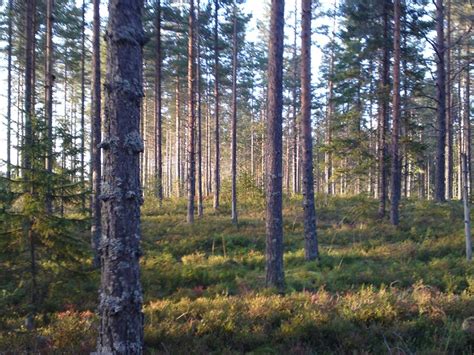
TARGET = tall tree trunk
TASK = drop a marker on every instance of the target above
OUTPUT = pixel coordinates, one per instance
(274, 217)
(9, 88)
(310, 236)
(396, 166)
(48, 81)
(440, 183)
(96, 230)
(467, 117)
(27, 153)
(199, 110)
(178, 138)
(217, 178)
(234, 118)
(383, 93)
(208, 146)
(329, 118)
(449, 111)
(467, 214)
(83, 102)
(295, 160)
(121, 317)
(158, 118)
(192, 117)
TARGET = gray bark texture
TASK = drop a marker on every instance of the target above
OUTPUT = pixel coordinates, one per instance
(274, 176)
(310, 236)
(120, 307)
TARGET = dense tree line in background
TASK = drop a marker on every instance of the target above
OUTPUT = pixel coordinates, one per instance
(215, 113)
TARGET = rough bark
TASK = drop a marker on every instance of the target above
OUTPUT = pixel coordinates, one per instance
(234, 118)
(121, 317)
(96, 131)
(395, 182)
(274, 174)
(158, 117)
(440, 183)
(310, 236)
(217, 179)
(191, 171)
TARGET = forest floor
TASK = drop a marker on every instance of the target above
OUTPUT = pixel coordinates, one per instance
(376, 289)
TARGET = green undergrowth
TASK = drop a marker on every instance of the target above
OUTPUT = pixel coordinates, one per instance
(376, 288)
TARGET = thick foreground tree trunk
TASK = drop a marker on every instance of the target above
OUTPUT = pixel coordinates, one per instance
(120, 308)
(274, 217)
(310, 236)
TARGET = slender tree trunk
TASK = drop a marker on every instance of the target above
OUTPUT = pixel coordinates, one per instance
(208, 146)
(467, 214)
(83, 103)
(217, 178)
(384, 91)
(96, 230)
(234, 118)
(158, 117)
(396, 166)
(449, 111)
(178, 139)
(199, 111)
(440, 183)
(9, 88)
(192, 117)
(467, 118)
(27, 153)
(121, 317)
(48, 80)
(329, 118)
(274, 218)
(310, 236)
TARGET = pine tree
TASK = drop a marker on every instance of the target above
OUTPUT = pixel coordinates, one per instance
(311, 241)
(274, 217)
(121, 317)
